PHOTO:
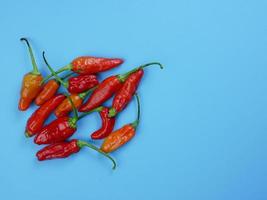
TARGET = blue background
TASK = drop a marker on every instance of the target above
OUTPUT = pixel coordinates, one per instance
(203, 126)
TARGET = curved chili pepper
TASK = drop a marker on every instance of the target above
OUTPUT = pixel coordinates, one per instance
(31, 83)
(90, 65)
(37, 119)
(107, 125)
(121, 136)
(65, 149)
(108, 88)
(49, 89)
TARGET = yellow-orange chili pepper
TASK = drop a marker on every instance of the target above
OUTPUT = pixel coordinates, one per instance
(121, 136)
(31, 83)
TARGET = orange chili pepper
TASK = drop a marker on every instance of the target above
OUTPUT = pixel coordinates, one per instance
(48, 91)
(121, 136)
(31, 83)
(65, 107)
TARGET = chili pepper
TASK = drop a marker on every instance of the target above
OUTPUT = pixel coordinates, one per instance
(61, 128)
(91, 65)
(65, 107)
(79, 83)
(48, 90)
(37, 119)
(108, 88)
(65, 149)
(124, 95)
(107, 125)
(82, 83)
(31, 83)
(121, 136)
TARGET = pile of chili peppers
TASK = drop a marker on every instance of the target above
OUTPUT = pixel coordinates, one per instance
(83, 95)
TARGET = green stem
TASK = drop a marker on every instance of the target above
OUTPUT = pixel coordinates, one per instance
(67, 67)
(84, 94)
(64, 77)
(34, 65)
(136, 122)
(123, 77)
(82, 144)
(98, 109)
(63, 83)
(73, 107)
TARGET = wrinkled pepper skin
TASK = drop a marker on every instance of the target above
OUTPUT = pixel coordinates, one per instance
(65, 107)
(58, 150)
(103, 92)
(125, 94)
(37, 119)
(30, 88)
(67, 148)
(118, 138)
(93, 65)
(57, 131)
(48, 91)
(107, 125)
(82, 83)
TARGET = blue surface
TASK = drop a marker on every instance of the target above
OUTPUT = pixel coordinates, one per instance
(203, 126)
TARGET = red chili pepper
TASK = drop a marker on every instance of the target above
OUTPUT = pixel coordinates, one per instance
(60, 129)
(124, 95)
(121, 136)
(65, 149)
(104, 91)
(91, 65)
(57, 131)
(107, 125)
(37, 119)
(49, 89)
(80, 83)
(31, 83)
(108, 88)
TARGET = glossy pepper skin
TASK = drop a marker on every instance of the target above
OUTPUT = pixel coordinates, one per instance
(92, 65)
(37, 119)
(125, 94)
(65, 149)
(57, 131)
(58, 150)
(81, 83)
(107, 125)
(65, 107)
(31, 83)
(48, 90)
(104, 91)
(121, 136)
(118, 138)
